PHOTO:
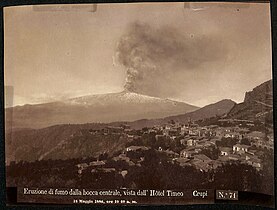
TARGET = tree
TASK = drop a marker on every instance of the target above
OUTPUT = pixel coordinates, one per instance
(103, 156)
(227, 142)
(211, 152)
(245, 141)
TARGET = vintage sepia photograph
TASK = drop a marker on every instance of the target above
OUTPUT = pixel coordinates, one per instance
(139, 103)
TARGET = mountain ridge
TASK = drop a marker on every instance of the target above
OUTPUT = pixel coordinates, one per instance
(215, 109)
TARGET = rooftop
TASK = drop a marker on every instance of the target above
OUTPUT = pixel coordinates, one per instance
(202, 157)
(225, 149)
(241, 146)
(182, 160)
(137, 148)
(97, 163)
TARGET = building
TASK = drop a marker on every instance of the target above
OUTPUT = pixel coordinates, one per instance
(255, 135)
(260, 143)
(214, 164)
(113, 130)
(251, 151)
(194, 132)
(219, 132)
(232, 135)
(240, 148)
(136, 148)
(184, 130)
(201, 165)
(202, 157)
(225, 151)
(255, 162)
(81, 167)
(213, 141)
(96, 163)
(235, 157)
(202, 162)
(122, 157)
(270, 137)
(187, 153)
(103, 170)
(183, 142)
(171, 154)
(94, 131)
(183, 161)
(191, 142)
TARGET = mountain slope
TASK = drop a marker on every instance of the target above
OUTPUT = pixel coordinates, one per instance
(257, 104)
(217, 109)
(123, 106)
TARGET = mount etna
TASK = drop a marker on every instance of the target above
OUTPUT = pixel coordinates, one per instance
(102, 108)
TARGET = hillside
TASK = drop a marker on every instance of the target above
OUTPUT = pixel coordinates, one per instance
(217, 109)
(257, 104)
(60, 142)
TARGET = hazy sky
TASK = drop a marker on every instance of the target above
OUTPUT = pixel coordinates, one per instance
(198, 53)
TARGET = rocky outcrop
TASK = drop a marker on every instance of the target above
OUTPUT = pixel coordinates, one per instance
(257, 104)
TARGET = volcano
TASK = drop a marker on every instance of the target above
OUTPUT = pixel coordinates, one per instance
(100, 108)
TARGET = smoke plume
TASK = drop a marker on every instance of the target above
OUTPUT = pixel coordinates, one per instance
(152, 56)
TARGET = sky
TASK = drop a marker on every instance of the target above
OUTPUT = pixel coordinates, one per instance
(198, 53)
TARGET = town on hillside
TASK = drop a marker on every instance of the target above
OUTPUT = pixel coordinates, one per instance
(204, 147)
(214, 153)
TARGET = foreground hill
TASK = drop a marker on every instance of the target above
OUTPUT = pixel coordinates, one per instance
(104, 108)
(60, 142)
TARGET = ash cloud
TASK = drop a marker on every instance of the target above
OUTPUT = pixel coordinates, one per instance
(153, 57)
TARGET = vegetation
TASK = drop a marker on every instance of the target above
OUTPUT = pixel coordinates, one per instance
(227, 142)
(154, 172)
